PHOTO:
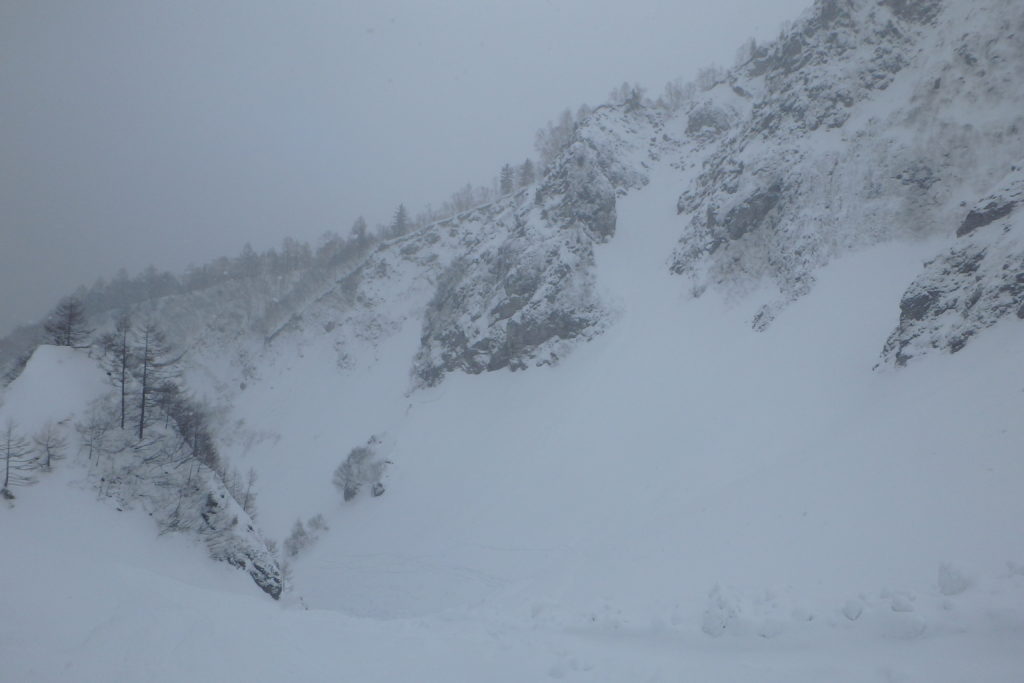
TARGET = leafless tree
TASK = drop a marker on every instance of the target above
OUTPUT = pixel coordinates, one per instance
(119, 359)
(18, 462)
(50, 444)
(66, 325)
(156, 369)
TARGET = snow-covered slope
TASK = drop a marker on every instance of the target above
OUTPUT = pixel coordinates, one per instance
(681, 497)
(666, 492)
(678, 417)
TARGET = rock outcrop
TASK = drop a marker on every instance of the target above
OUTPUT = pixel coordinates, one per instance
(231, 537)
(522, 298)
(975, 284)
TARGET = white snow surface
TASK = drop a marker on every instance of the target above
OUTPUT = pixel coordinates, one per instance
(681, 498)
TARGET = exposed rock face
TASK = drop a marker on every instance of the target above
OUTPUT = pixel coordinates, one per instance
(518, 300)
(511, 305)
(984, 215)
(577, 192)
(920, 11)
(974, 285)
(860, 124)
(707, 121)
(231, 537)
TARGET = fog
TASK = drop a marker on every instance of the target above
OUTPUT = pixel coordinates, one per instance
(140, 132)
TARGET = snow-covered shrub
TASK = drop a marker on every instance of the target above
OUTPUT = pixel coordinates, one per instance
(304, 535)
(51, 445)
(362, 466)
(297, 540)
(721, 613)
(952, 581)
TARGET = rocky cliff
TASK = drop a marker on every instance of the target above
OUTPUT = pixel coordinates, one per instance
(866, 122)
(973, 285)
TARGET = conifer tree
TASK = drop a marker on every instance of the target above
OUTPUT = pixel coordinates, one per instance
(507, 180)
(527, 174)
(550, 141)
(400, 223)
(360, 233)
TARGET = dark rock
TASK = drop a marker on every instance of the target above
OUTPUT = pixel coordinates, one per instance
(979, 218)
(541, 289)
(918, 175)
(970, 263)
(707, 121)
(752, 212)
(916, 11)
(916, 306)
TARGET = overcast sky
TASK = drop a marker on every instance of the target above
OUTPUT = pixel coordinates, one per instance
(142, 131)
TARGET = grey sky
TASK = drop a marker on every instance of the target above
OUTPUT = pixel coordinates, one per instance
(136, 132)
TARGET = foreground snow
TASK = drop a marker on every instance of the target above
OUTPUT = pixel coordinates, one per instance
(92, 596)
